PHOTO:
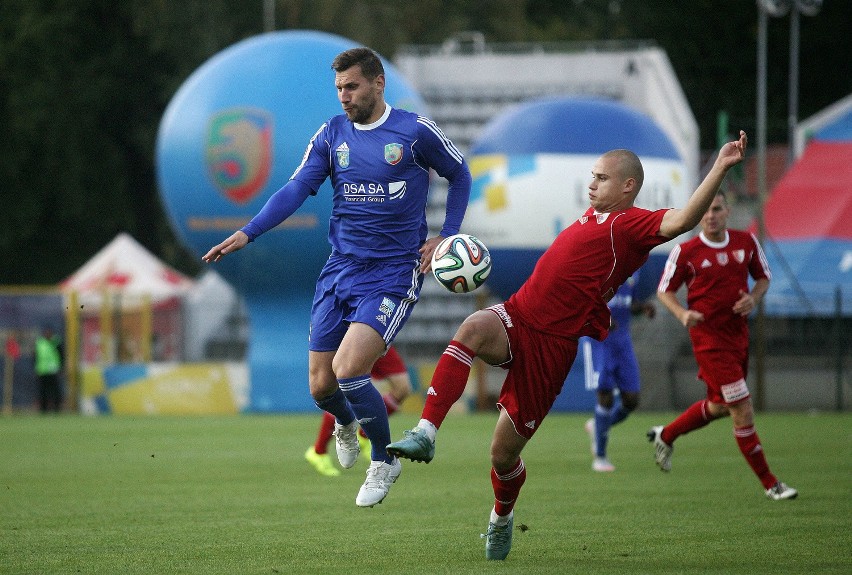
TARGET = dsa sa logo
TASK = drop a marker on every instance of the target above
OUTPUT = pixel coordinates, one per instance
(239, 152)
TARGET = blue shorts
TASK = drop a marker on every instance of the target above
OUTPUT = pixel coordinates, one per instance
(611, 364)
(378, 293)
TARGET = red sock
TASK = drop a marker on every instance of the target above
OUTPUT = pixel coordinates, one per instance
(325, 431)
(448, 382)
(390, 403)
(749, 444)
(695, 417)
(507, 486)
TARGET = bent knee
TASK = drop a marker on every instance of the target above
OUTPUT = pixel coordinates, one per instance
(630, 401)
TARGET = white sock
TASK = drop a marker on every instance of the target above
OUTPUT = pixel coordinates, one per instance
(429, 428)
(500, 520)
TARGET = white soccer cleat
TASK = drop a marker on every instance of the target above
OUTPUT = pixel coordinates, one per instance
(602, 465)
(380, 476)
(663, 455)
(781, 491)
(346, 442)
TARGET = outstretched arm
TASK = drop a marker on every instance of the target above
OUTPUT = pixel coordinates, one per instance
(278, 208)
(679, 221)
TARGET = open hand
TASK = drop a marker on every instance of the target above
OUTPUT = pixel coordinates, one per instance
(237, 241)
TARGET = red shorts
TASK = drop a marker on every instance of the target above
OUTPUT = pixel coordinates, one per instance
(537, 367)
(724, 373)
(389, 364)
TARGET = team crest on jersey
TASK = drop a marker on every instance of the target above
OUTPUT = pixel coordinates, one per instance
(342, 152)
(239, 152)
(393, 153)
(387, 306)
(722, 258)
(739, 255)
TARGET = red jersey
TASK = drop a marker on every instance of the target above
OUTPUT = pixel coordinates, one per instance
(567, 293)
(715, 273)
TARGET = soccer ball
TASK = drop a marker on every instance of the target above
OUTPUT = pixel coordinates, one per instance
(461, 263)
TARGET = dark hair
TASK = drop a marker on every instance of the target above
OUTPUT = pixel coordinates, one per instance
(371, 64)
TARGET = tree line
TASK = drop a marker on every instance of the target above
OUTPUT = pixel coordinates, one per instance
(84, 84)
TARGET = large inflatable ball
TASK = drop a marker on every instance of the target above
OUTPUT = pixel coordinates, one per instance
(531, 169)
(231, 137)
(234, 133)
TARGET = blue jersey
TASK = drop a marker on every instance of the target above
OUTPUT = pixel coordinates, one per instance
(380, 176)
(612, 363)
(621, 303)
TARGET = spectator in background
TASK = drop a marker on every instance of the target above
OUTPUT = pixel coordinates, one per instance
(48, 365)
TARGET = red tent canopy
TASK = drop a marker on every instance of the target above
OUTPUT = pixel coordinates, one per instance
(814, 198)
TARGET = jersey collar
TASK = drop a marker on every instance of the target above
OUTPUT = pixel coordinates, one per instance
(713, 244)
(378, 122)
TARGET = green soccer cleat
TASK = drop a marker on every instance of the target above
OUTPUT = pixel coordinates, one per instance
(498, 540)
(321, 462)
(415, 445)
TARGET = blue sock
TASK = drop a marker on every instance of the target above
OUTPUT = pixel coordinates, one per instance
(601, 429)
(337, 405)
(617, 414)
(369, 408)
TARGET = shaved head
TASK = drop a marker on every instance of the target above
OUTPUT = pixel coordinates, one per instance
(628, 166)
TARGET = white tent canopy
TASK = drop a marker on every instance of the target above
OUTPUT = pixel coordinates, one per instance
(125, 268)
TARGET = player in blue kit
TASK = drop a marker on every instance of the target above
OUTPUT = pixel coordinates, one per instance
(611, 365)
(379, 160)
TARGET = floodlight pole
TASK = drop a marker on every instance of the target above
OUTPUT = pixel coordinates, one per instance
(808, 8)
(759, 335)
(793, 95)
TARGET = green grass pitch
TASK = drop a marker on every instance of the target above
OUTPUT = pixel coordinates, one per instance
(233, 495)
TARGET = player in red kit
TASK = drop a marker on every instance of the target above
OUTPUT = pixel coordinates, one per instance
(715, 266)
(533, 335)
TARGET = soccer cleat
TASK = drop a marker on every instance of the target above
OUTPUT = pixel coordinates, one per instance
(415, 445)
(380, 476)
(346, 441)
(590, 429)
(498, 540)
(602, 464)
(321, 462)
(663, 456)
(781, 491)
